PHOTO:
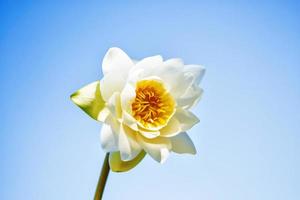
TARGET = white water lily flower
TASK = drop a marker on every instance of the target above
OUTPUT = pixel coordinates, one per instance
(144, 106)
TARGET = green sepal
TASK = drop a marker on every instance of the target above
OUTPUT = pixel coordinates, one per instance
(89, 99)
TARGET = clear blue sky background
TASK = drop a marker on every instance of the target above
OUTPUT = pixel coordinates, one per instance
(248, 139)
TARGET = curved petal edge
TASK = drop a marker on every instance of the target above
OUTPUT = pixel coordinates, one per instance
(89, 99)
(118, 165)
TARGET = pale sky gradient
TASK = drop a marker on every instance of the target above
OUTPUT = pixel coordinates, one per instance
(248, 139)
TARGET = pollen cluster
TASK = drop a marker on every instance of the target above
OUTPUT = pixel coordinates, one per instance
(153, 105)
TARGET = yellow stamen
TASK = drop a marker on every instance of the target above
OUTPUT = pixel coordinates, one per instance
(153, 105)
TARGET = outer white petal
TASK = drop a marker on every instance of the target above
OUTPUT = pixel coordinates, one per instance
(114, 105)
(127, 97)
(169, 72)
(172, 128)
(172, 76)
(145, 68)
(186, 119)
(128, 147)
(89, 99)
(190, 76)
(149, 62)
(149, 134)
(158, 148)
(111, 83)
(102, 116)
(108, 139)
(195, 71)
(129, 121)
(182, 143)
(113, 123)
(178, 77)
(177, 62)
(116, 60)
(190, 97)
(193, 74)
(118, 165)
(124, 146)
(135, 146)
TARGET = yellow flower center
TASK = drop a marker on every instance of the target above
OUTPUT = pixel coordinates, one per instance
(153, 105)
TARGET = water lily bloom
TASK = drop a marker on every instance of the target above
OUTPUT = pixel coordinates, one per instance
(144, 106)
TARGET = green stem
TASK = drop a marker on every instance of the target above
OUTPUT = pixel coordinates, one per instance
(102, 179)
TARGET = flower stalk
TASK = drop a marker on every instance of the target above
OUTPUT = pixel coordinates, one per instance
(102, 179)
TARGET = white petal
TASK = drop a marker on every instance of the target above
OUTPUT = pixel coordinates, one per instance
(108, 139)
(89, 99)
(135, 146)
(129, 121)
(182, 143)
(118, 165)
(178, 62)
(169, 72)
(164, 154)
(111, 83)
(190, 97)
(149, 62)
(127, 97)
(149, 134)
(172, 128)
(113, 123)
(145, 68)
(114, 105)
(196, 71)
(124, 146)
(128, 147)
(158, 148)
(103, 114)
(189, 93)
(189, 76)
(116, 60)
(186, 119)
(170, 75)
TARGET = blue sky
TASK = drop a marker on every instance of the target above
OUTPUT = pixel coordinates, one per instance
(247, 140)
